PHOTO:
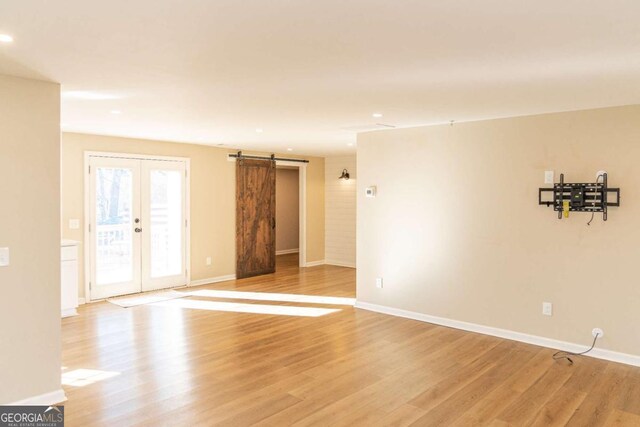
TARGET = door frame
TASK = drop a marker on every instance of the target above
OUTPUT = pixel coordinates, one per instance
(87, 209)
(302, 209)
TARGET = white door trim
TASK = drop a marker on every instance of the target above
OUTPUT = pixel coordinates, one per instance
(302, 209)
(88, 154)
(87, 208)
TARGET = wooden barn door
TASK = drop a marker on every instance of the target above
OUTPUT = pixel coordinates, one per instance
(255, 217)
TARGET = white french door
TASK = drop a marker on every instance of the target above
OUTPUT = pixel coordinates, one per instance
(137, 225)
(164, 235)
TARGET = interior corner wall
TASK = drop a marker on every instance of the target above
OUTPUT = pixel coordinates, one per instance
(30, 228)
(287, 210)
(340, 211)
(213, 202)
(456, 230)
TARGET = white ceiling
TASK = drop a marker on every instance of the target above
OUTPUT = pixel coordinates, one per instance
(311, 73)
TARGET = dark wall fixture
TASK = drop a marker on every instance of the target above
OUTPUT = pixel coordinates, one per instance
(345, 174)
(580, 197)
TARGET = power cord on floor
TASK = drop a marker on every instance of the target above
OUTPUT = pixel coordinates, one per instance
(559, 355)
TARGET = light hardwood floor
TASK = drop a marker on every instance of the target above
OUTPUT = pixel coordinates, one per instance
(201, 366)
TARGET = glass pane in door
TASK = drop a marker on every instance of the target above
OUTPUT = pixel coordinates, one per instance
(114, 225)
(166, 223)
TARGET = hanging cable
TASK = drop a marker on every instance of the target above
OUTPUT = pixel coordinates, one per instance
(558, 355)
(593, 212)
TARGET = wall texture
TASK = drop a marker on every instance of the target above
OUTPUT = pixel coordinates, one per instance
(212, 198)
(30, 227)
(456, 231)
(340, 211)
(287, 209)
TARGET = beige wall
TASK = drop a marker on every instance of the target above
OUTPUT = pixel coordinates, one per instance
(30, 227)
(212, 198)
(287, 209)
(315, 210)
(456, 231)
(340, 211)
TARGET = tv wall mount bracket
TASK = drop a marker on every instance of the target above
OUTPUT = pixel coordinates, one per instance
(580, 197)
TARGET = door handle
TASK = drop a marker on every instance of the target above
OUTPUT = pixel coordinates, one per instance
(138, 230)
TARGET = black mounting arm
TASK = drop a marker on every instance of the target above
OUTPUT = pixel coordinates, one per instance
(580, 197)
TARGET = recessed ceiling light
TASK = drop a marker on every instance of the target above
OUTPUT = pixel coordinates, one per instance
(93, 96)
(259, 130)
(289, 149)
(377, 115)
(5, 38)
(350, 144)
(116, 112)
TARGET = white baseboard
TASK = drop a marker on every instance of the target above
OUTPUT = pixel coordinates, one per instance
(46, 399)
(598, 353)
(82, 301)
(288, 251)
(70, 312)
(212, 280)
(340, 263)
(314, 263)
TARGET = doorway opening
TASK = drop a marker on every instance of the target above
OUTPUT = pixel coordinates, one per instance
(137, 216)
(287, 211)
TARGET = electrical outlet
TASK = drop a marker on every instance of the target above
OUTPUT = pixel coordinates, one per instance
(379, 282)
(597, 332)
(4, 257)
(547, 309)
(549, 177)
(74, 224)
(208, 260)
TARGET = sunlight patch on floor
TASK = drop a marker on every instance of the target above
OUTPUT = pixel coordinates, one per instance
(82, 377)
(246, 308)
(268, 296)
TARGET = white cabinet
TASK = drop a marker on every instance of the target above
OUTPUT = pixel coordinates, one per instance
(69, 277)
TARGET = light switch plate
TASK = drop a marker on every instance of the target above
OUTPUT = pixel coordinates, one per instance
(549, 177)
(379, 282)
(74, 224)
(4, 257)
(547, 309)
